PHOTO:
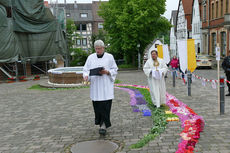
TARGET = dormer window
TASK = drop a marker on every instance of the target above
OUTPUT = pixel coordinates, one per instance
(84, 15)
(67, 14)
(100, 25)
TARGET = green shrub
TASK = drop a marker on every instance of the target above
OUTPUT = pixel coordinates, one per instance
(79, 57)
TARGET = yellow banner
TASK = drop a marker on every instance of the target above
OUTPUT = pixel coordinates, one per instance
(160, 51)
(191, 54)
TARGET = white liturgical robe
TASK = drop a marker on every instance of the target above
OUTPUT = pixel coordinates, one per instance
(156, 80)
(101, 87)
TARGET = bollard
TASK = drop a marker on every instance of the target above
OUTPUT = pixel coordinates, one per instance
(16, 71)
(222, 96)
(189, 78)
(24, 67)
(174, 78)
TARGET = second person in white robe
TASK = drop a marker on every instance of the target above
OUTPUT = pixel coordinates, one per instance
(155, 69)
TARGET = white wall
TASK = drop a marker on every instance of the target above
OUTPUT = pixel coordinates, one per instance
(181, 24)
(196, 26)
(172, 40)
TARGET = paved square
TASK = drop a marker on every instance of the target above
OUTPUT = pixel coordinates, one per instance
(50, 121)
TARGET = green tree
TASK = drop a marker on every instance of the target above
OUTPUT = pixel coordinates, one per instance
(165, 35)
(71, 33)
(79, 57)
(133, 22)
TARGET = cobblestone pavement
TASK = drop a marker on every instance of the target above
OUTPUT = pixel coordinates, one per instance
(50, 121)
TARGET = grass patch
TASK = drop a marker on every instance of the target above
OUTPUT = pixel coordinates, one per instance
(38, 87)
(117, 81)
(158, 116)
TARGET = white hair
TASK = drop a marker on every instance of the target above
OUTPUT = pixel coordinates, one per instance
(99, 43)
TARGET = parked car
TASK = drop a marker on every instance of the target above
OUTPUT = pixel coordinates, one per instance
(203, 61)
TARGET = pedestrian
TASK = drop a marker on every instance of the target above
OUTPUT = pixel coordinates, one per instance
(174, 64)
(155, 69)
(101, 70)
(226, 67)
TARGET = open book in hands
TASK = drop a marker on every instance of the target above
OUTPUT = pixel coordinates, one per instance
(96, 71)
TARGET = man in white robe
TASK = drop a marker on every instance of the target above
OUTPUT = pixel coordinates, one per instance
(102, 85)
(155, 69)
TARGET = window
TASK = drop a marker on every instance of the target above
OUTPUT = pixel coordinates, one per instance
(78, 27)
(84, 15)
(75, 4)
(100, 25)
(214, 43)
(223, 43)
(222, 8)
(84, 41)
(83, 27)
(67, 14)
(212, 10)
(78, 42)
(217, 10)
(205, 43)
(204, 13)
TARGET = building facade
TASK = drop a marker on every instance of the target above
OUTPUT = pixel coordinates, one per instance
(183, 21)
(196, 26)
(215, 26)
(97, 20)
(173, 34)
(86, 19)
(209, 25)
(82, 16)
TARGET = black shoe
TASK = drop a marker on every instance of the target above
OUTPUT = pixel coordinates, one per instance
(102, 131)
(228, 94)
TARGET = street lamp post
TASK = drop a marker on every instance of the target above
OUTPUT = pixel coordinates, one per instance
(139, 56)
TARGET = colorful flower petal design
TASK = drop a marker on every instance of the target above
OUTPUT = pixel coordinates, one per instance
(137, 101)
(191, 123)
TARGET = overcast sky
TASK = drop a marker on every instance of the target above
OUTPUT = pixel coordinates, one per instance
(170, 5)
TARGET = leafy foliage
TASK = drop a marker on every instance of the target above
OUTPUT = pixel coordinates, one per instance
(100, 35)
(133, 22)
(71, 33)
(117, 81)
(79, 57)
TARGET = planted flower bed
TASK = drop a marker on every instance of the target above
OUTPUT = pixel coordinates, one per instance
(11, 80)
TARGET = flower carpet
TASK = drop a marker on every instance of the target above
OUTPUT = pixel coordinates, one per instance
(191, 123)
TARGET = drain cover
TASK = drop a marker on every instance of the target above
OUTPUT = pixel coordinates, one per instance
(97, 146)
